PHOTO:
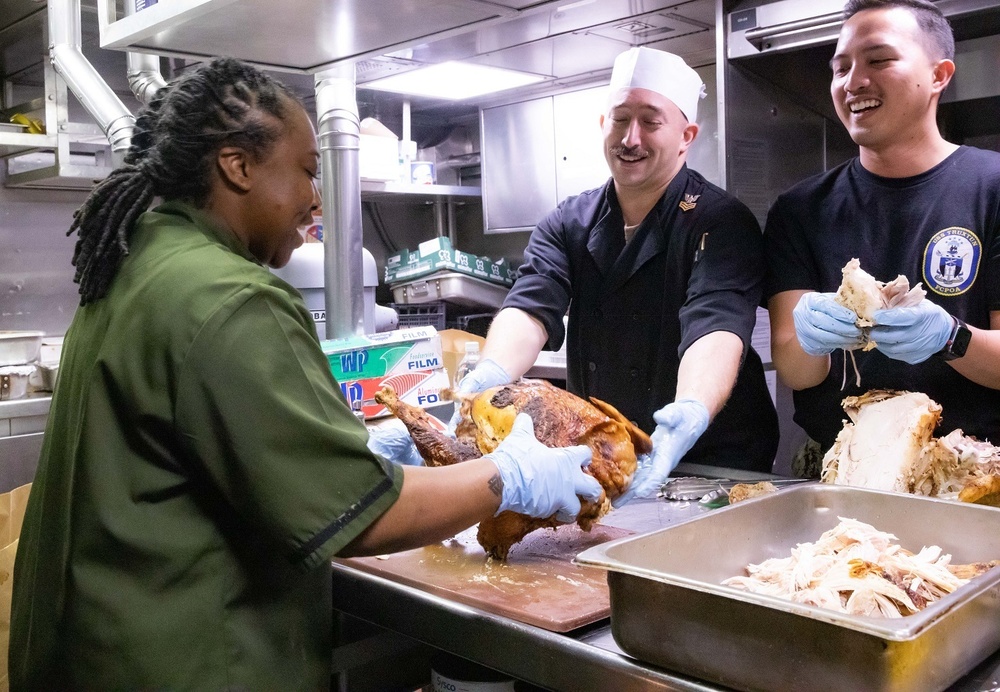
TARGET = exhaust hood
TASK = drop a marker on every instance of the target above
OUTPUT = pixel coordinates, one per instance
(558, 39)
(794, 24)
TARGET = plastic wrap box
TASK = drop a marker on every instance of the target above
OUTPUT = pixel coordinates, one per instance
(438, 255)
(386, 353)
(408, 360)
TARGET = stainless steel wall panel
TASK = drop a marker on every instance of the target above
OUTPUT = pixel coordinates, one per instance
(36, 278)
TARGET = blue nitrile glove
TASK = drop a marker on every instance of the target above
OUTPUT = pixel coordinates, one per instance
(392, 441)
(541, 481)
(678, 427)
(912, 334)
(486, 374)
(822, 325)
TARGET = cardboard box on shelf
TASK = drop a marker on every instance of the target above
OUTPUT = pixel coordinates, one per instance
(453, 349)
(378, 155)
(437, 255)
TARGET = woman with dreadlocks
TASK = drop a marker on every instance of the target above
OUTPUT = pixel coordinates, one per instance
(200, 465)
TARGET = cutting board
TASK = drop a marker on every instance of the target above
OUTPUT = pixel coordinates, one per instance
(538, 584)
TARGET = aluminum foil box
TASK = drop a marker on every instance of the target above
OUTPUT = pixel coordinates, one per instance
(419, 388)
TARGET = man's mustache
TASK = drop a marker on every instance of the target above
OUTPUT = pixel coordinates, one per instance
(628, 151)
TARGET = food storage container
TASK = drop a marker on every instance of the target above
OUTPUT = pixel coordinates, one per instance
(14, 381)
(669, 607)
(18, 348)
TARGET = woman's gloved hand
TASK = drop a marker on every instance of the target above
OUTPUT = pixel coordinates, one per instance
(912, 334)
(822, 325)
(392, 441)
(486, 374)
(678, 427)
(541, 481)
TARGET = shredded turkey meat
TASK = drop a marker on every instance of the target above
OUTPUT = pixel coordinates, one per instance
(856, 569)
(864, 294)
(889, 444)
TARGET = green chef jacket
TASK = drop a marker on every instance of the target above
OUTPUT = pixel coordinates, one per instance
(200, 467)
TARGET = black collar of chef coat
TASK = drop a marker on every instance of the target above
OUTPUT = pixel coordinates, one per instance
(617, 260)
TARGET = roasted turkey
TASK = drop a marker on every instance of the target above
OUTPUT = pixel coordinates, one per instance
(889, 444)
(561, 419)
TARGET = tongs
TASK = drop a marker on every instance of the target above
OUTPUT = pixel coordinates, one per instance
(708, 489)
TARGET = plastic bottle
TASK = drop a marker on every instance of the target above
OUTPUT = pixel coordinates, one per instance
(468, 362)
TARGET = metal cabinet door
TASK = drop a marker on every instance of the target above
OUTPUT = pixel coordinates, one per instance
(519, 178)
(579, 145)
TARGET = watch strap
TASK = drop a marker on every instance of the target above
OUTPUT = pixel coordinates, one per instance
(958, 341)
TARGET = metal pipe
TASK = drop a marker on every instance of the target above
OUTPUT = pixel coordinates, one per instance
(143, 70)
(83, 80)
(406, 120)
(144, 76)
(452, 230)
(439, 229)
(339, 145)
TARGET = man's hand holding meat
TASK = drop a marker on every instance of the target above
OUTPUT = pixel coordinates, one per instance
(487, 373)
(678, 426)
(822, 325)
(912, 334)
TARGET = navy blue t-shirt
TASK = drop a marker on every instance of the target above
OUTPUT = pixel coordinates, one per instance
(938, 228)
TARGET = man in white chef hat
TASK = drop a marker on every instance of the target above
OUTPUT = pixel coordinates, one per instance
(661, 273)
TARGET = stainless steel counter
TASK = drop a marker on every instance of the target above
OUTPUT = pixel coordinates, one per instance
(584, 659)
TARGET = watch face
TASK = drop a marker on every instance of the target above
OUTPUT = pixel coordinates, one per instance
(962, 338)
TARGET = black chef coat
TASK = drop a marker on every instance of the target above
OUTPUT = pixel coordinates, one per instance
(694, 266)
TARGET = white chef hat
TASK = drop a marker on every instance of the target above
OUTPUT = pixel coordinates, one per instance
(665, 73)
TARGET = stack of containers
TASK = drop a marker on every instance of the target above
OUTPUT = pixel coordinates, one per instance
(408, 360)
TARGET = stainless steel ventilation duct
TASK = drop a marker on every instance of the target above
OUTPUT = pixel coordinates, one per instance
(339, 144)
(144, 76)
(793, 24)
(82, 78)
(143, 70)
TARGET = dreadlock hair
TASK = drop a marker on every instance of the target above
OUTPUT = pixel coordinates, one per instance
(176, 138)
(939, 39)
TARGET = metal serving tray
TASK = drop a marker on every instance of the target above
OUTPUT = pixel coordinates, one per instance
(451, 287)
(669, 607)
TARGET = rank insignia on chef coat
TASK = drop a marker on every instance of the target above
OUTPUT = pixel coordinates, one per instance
(689, 202)
(951, 261)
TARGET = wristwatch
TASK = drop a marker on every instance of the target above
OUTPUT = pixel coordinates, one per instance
(958, 342)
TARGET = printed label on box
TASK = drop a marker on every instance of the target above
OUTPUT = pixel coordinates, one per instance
(386, 353)
(420, 388)
(437, 255)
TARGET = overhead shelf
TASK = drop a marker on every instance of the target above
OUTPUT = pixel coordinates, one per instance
(13, 143)
(374, 190)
